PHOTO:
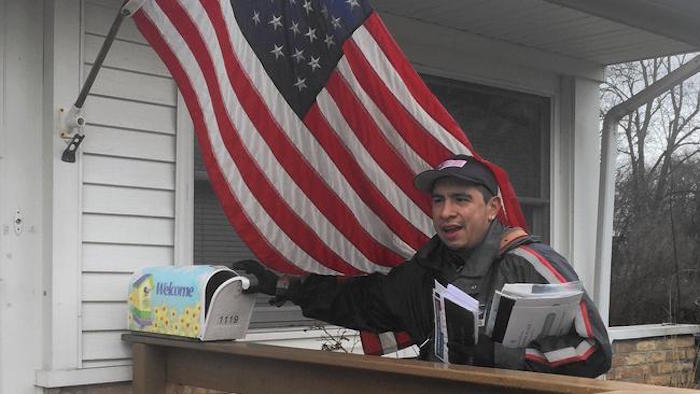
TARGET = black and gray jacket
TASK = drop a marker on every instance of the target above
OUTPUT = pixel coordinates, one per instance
(402, 301)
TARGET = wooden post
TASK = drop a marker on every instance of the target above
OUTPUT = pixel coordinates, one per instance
(149, 369)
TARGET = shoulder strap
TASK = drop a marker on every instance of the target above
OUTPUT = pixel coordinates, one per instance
(512, 237)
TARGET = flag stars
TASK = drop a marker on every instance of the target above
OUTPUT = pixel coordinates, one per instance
(314, 63)
(300, 83)
(307, 6)
(335, 21)
(298, 55)
(299, 43)
(311, 34)
(277, 51)
(276, 22)
(295, 28)
(329, 41)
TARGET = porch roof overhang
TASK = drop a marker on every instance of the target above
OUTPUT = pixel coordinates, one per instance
(595, 31)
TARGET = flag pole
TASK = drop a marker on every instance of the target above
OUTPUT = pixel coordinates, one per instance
(74, 121)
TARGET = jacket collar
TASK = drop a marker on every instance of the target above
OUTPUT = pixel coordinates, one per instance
(482, 256)
(473, 263)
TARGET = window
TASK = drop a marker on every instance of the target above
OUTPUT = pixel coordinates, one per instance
(655, 262)
(511, 129)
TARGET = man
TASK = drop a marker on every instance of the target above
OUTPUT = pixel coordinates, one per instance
(471, 250)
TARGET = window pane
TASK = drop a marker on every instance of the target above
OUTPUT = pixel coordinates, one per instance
(655, 262)
(510, 129)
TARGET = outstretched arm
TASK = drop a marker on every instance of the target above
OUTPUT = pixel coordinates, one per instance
(375, 302)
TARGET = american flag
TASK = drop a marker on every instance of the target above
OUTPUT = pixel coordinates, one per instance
(312, 125)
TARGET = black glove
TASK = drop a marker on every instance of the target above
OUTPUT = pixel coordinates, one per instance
(262, 280)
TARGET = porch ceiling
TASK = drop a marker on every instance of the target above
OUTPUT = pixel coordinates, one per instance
(599, 31)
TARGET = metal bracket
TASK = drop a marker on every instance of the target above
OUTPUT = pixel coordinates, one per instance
(69, 153)
(71, 126)
(70, 122)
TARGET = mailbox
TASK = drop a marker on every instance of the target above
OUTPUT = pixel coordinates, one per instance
(199, 301)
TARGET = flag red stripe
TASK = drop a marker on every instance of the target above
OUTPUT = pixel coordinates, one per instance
(403, 339)
(232, 208)
(306, 177)
(510, 201)
(364, 187)
(415, 135)
(371, 344)
(427, 100)
(288, 220)
(413, 81)
(364, 127)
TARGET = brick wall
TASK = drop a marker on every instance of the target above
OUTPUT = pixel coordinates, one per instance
(668, 361)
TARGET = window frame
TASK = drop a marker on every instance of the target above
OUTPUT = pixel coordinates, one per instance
(542, 205)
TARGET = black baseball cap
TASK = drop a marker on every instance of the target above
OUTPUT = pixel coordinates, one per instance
(463, 167)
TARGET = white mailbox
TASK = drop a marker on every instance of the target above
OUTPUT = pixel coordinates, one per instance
(200, 301)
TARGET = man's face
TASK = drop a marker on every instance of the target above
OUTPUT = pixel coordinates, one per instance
(460, 215)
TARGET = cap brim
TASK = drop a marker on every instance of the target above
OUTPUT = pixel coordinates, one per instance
(425, 180)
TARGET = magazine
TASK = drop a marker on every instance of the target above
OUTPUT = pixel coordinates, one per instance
(456, 319)
(523, 312)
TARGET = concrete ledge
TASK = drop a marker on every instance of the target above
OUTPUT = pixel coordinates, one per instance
(651, 330)
(81, 377)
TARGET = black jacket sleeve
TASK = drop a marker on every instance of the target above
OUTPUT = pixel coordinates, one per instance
(375, 302)
(585, 350)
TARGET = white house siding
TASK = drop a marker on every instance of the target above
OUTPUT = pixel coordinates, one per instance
(127, 180)
(21, 186)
